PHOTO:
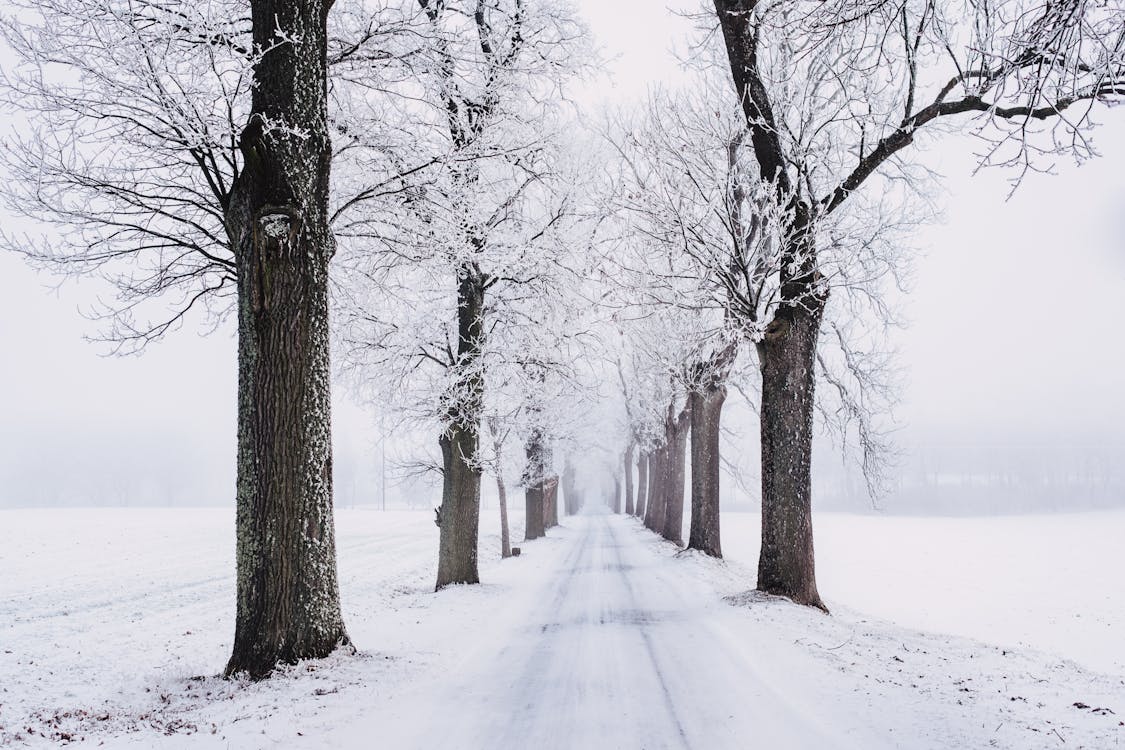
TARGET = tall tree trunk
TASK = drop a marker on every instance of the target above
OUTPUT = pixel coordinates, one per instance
(787, 353)
(501, 490)
(288, 600)
(787, 357)
(460, 497)
(657, 486)
(629, 509)
(673, 527)
(616, 493)
(642, 483)
(653, 466)
(706, 416)
(505, 537)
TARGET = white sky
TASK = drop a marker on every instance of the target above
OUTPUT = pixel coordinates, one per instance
(1015, 311)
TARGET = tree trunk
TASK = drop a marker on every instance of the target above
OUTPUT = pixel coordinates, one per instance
(501, 490)
(505, 537)
(460, 497)
(787, 357)
(706, 415)
(657, 485)
(629, 509)
(616, 493)
(653, 465)
(535, 500)
(787, 353)
(551, 499)
(534, 526)
(673, 527)
(642, 483)
(288, 600)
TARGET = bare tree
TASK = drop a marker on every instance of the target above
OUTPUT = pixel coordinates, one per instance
(474, 235)
(169, 152)
(834, 94)
(130, 151)
(499, 434)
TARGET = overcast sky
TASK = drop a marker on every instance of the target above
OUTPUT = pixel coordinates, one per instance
(1015, 313)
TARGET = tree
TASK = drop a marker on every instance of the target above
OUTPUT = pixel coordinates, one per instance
(473, 229)
(130, 152)
(169, 174)
(537, 478)
(627, 469)
(705, 274)
(833, 96)
(499, 435)
(288, 595)
(476, 239)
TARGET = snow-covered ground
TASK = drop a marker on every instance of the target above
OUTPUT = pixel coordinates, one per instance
(945, 633)
(1048, 582)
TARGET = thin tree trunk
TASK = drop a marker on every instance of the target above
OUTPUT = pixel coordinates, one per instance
(673, 527)
(657, 487)
(653, 467)
(501, 490)
(629, 508)
(460, 499)
(787, 357)
(288, 601)
(616, 493)
(706, 415)
(642, 483)
(505, 537)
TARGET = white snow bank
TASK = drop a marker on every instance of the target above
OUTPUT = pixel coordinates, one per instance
(1048, 582)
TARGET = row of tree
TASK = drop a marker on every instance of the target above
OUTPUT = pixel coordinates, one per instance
(407, 181)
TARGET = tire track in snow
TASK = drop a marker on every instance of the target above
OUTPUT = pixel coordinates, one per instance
(622, 570)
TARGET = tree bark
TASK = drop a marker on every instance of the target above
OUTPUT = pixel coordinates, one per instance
(673, 526)
(288, 601)
(706, 415)
(534, 526)
(616, 493)
(551, 499)
(642, 483)
(460, 498)
(629, 508)
(787, 357)
(505, 537)
(657, 484)
(535, 500)
(533, 505)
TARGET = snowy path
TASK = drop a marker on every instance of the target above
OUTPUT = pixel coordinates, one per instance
(615, 647)
(114, 623)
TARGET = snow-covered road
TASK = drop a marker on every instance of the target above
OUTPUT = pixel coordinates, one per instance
(113, 624)
(616, 647)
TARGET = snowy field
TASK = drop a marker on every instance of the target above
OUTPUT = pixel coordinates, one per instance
(945, 633)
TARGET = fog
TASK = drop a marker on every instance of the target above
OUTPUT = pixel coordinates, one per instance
(1012, 355)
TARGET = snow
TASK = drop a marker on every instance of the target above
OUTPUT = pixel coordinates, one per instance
(944, 633)
(1047, 582)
